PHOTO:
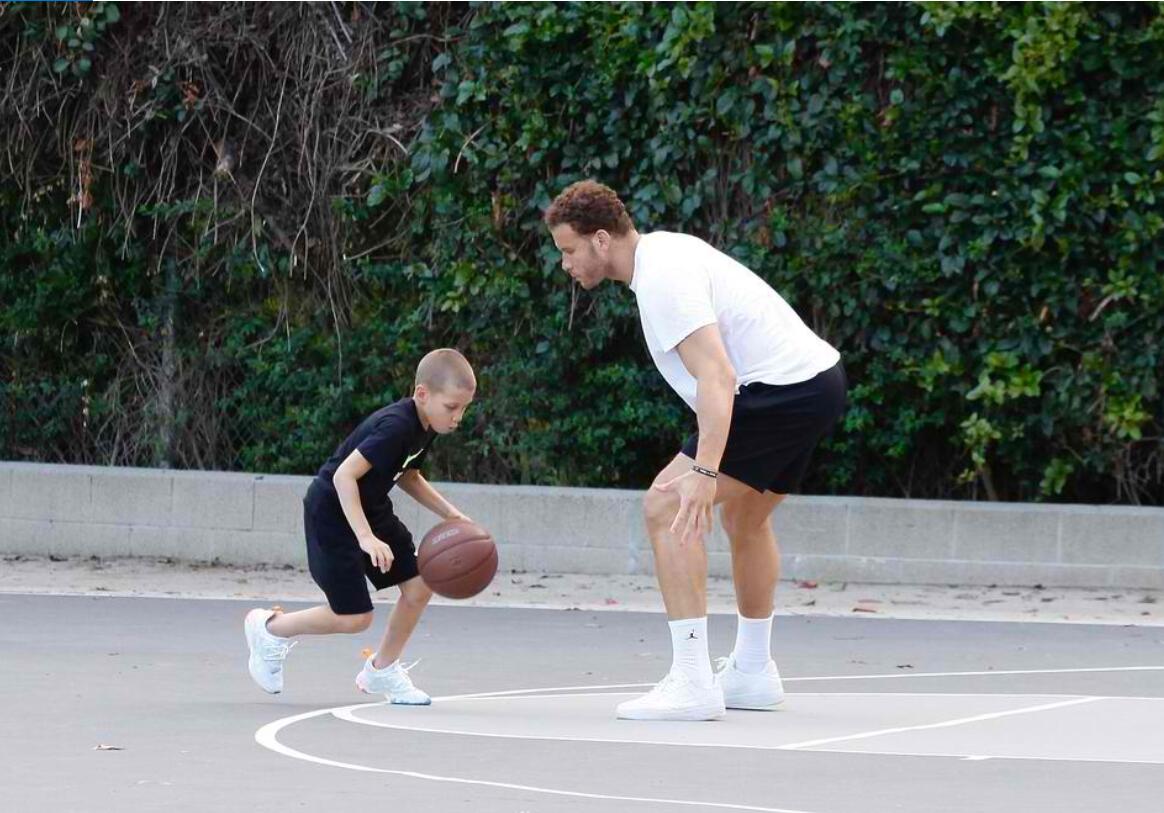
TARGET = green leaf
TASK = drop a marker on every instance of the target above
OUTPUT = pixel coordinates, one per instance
(61, 65)
(376, 195)
(725, 102)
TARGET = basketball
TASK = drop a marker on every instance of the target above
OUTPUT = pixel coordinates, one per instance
(457, 558)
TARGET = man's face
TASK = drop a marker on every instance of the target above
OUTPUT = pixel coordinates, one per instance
(585, 257)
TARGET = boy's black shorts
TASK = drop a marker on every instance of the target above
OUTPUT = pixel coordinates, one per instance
(339, 566)
(775, 428)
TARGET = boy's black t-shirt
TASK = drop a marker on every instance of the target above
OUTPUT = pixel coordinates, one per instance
(393, 440)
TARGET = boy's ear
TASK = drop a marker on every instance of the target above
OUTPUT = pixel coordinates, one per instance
(420, 393)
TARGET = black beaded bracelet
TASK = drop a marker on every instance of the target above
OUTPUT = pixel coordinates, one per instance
(695, 467)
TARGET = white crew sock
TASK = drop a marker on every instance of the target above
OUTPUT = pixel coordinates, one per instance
(753, 644)
(689, 645)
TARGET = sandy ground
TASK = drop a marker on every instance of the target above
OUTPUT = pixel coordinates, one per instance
(161, 577)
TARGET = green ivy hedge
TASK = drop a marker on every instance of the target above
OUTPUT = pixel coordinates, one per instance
(961, 197)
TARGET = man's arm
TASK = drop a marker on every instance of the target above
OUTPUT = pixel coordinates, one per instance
(413, 484)
(705, 357)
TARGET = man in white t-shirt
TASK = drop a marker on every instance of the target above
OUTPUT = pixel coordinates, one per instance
(765, 389)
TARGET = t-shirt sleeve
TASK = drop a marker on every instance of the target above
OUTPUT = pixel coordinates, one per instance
(384, 447)
(677, 303)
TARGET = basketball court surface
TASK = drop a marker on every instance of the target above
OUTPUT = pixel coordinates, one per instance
(125, 704)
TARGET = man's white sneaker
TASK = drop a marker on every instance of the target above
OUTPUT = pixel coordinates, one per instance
(741, 690)
(267, 651)
(675, 697)
(393, 682)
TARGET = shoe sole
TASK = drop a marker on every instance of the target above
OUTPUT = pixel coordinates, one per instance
(746, 705)
(249, 629)
(692, 715)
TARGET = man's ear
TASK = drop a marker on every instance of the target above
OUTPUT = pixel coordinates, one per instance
(601, 239)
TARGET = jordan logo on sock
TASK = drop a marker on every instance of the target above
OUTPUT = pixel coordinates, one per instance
(691, 636)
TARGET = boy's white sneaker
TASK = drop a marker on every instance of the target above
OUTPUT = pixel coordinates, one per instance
(675, 697)
(393, 682)
(761, 691)
(267, 651)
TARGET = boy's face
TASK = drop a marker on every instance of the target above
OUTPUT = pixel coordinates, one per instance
(442, 410)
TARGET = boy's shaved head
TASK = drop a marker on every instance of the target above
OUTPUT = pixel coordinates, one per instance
(445, 370)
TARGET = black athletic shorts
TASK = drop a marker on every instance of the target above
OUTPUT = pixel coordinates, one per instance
(339, 566)
(775, 428)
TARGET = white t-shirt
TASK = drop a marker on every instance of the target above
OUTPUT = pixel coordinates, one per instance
(681, 284)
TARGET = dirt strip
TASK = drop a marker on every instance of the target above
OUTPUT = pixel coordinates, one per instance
(265, 585)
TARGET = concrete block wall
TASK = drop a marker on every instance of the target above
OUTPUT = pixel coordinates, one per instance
(257, 519)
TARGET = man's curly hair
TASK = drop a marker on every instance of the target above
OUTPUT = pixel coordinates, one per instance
(588, 206)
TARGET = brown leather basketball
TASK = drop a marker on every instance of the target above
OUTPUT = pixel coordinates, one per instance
(457, 558)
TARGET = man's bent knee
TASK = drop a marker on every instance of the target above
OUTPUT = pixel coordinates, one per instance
(659, 508)
(742, 519)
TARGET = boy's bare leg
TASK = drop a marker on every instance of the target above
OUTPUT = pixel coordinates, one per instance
(414, 597)
(317, 621)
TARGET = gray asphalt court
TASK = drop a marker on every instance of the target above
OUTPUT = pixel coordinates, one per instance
(138, 704)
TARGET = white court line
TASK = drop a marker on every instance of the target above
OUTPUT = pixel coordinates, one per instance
(476, 695)
(946, 724)
(468, 698)
(267, 737)
(984, 673)
(983, 757)
(349, 714)
(829, 677)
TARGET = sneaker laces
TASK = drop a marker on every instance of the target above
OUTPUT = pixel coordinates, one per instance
(272, 651)
(404, 669)
(670, 679)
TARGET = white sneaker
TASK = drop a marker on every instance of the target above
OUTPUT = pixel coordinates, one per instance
(267, 651)
(759, 692)
(675, 697)
(393, 682)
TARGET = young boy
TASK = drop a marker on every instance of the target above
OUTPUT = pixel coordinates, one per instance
(352, 532)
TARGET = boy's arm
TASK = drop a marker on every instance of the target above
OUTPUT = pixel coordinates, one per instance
(413, 484)
(344, 480)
